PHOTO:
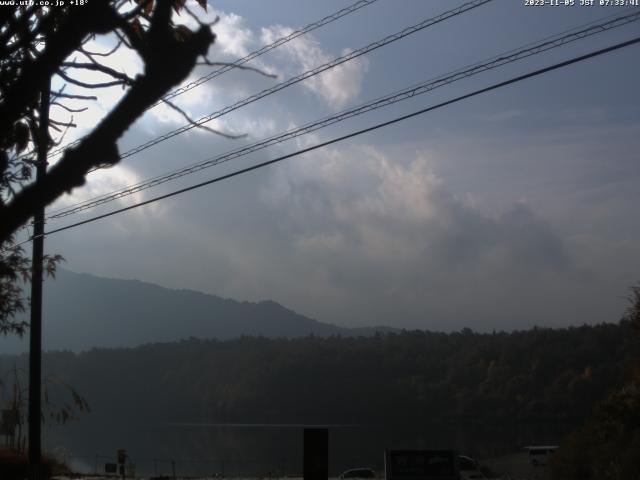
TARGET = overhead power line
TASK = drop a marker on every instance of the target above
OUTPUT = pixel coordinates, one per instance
(311, 73)
(267, 48)
(241, 61)
(308, 74)
(401, 95)
(353, 134)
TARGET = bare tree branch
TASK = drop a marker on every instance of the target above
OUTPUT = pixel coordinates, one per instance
(63, 124)
(97, 16)
(123, 39)
(133, 40)
(72, 110)
(168, 61)
(75, 97)
(100, 68)
(89, 85)
(64, 133)
(199, 125)
(102, 54)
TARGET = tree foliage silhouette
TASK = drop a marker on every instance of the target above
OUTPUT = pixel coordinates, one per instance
(38, 43)
(607, 444)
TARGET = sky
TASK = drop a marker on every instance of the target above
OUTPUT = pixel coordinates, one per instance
(511, 209)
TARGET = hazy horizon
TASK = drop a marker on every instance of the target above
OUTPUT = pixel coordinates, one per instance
(84, 311)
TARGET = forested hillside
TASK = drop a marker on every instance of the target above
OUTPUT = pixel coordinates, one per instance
(484, 394)
(540, 374)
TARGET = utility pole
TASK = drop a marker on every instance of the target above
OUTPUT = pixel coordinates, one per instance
(35, 336)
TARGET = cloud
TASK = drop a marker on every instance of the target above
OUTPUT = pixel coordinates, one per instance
(376, 235)
(385, 209)
(233, 40)
(232, 34)
(337, 86)
(106, 181)
(233, 37)
(101, 182)
(361, 234)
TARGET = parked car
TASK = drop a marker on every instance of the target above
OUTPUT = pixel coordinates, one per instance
(469, 468)
(362, 472)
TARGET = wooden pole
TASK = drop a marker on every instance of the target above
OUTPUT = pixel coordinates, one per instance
(35, 329)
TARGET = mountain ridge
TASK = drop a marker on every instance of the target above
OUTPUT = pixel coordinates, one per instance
(83, 311)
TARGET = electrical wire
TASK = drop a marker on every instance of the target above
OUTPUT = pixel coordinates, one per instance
(267, 48)
(308, 74)
(353, 134)
(401, 95)
(241, 61)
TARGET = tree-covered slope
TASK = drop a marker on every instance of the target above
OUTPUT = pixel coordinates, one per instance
(540, 374)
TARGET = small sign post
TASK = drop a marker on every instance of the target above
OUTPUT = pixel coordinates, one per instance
(121, 455)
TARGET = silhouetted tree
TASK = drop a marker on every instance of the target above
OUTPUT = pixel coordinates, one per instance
(62, 403)
(37, 44)
(607, 445)
(425, 376)
(40, 42)
(633, 312)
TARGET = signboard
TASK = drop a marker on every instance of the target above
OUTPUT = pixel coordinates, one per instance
(420, 465)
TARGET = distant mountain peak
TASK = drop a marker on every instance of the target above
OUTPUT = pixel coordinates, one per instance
(82, 311)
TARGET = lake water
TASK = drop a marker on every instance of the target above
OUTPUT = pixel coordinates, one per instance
(250, 450)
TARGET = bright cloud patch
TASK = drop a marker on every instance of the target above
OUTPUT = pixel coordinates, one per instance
(365, 225)
(106, 181)
(336, 86)
(232, 35)
(387, 208)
